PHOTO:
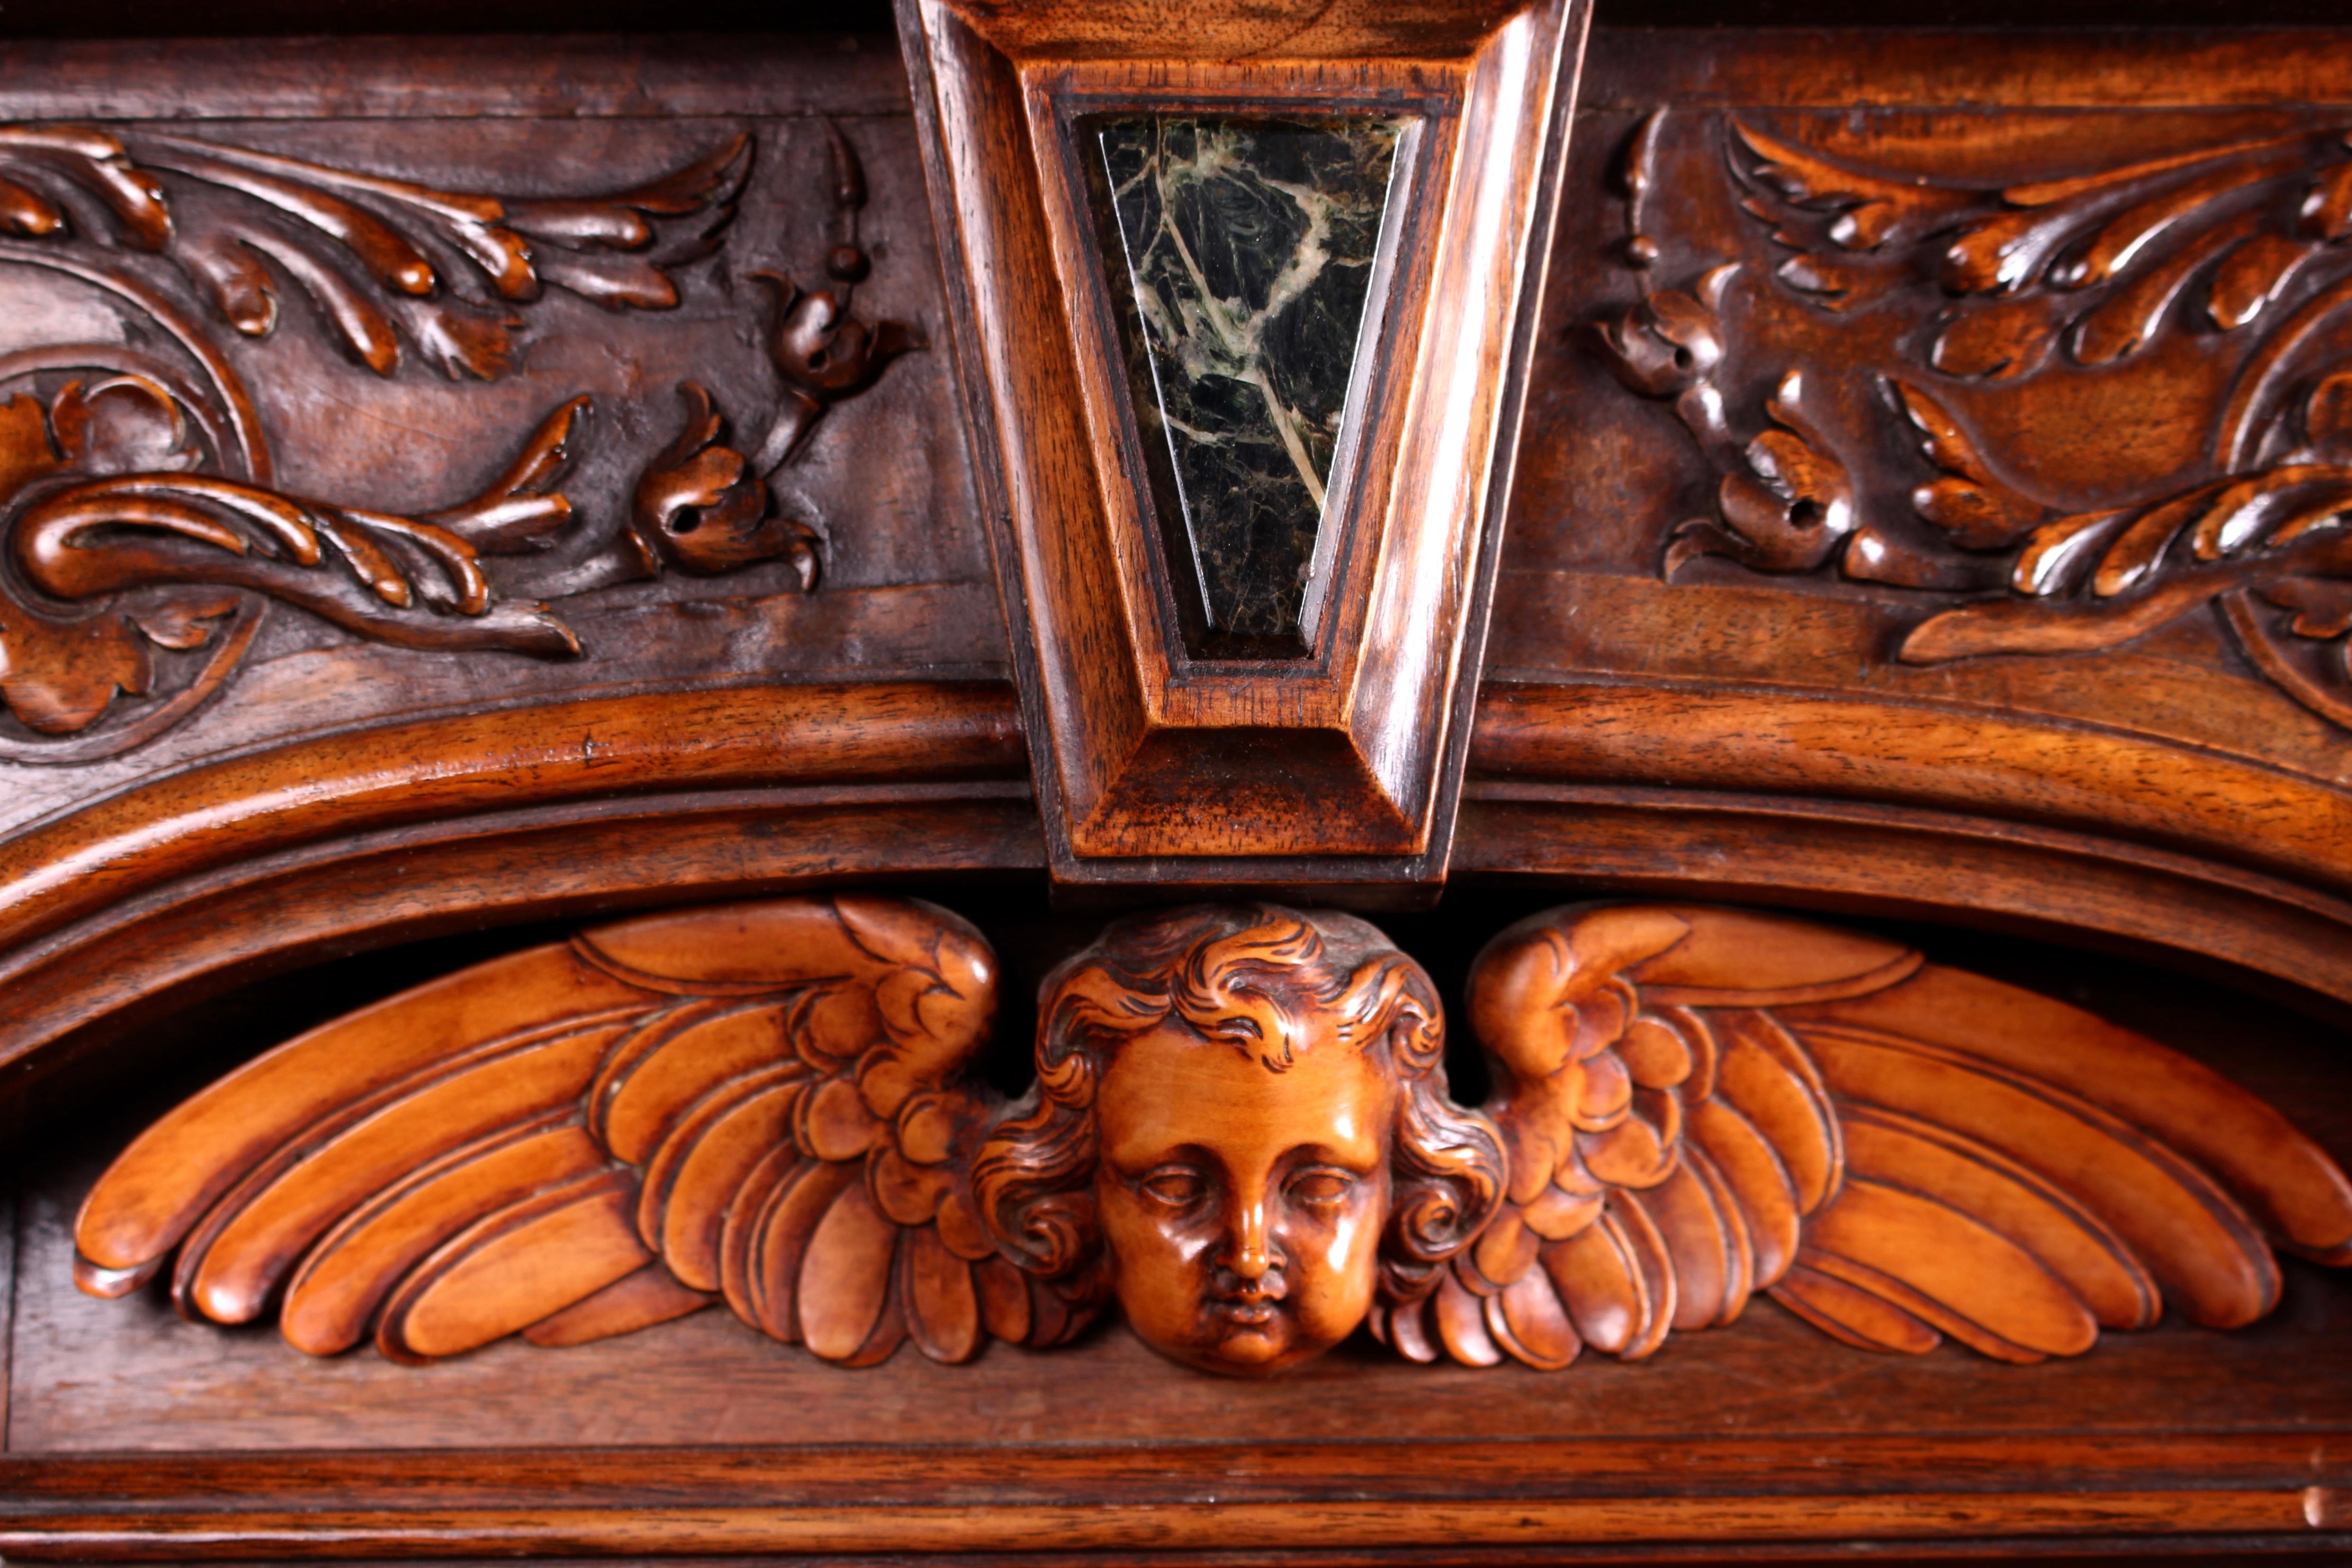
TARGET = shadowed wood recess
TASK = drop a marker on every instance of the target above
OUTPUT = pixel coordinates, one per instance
(1328, 753)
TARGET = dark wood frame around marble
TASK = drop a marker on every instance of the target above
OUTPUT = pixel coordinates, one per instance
(1153, 767)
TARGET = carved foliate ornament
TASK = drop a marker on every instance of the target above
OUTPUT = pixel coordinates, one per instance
(1808, 308)
(1239, 1132)
(140, 511)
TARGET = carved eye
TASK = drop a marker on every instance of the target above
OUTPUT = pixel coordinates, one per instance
(1321, 1187)
(1178, 1186)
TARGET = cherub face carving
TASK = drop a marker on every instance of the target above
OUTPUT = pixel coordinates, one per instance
(1242, 1133)
(1243, 1205)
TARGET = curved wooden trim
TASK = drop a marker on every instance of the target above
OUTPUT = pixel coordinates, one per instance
(1910, 864)
(241, 922)
(1979, 763)
(438, 769)
(187, 883)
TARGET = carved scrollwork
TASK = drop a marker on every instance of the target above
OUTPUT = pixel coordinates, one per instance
(1241, 1134)
(384, 261)
(112, 513)
(138, 507)
(2011, 303)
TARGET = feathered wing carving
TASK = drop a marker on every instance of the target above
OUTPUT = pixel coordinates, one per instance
(762, 1103)
(1700, 1104)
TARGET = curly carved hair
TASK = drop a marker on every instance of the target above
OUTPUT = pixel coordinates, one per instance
(1259, 978)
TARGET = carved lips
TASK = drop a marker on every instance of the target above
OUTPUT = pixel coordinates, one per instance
(1240, 1130)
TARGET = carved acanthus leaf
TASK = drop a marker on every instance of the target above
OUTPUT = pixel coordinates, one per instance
(2238, 242)
(390, 265)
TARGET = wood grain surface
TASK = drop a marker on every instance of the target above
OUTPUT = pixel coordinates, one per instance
(2167, 764)
(1722, 729)
(1351, 753)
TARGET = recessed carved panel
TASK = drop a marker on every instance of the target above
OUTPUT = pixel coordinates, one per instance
(2060, 410)
(146, 529)
(1241, 1132)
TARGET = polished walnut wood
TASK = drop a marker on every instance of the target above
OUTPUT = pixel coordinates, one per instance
(174, 472)
(1240, 1130)
(1625, 726)
(819, 690)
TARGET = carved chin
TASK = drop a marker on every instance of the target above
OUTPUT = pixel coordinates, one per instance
(1246, 1341)
(1248, 1350)
(1243, 1339)
(1255, 1339)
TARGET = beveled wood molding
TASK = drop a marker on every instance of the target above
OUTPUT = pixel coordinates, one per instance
(387, 776)
(404, 830)
(2227, 811)
(1590, 782)
(1241, 1134)
(1521, 1503)
(1155, 760)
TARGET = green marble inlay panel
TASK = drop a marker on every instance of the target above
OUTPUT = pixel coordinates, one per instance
(1247, 248)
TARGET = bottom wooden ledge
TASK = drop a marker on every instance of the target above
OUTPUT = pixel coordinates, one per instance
(1277, 1503)
(1180, 1526)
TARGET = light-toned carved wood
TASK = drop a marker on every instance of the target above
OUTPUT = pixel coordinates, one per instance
(758, 1104)
(1703, 1104)
(1241, 1132)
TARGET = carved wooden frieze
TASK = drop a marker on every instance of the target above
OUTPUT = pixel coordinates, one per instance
(2057, 407)
(144, 513)
(1240, 1133)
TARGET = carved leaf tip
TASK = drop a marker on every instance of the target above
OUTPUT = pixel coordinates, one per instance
(519, 511)
(703, 507)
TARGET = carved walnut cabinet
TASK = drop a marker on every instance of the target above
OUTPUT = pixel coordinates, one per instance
(1244, 783)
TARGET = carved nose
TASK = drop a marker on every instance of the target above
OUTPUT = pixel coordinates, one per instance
(1249, 1254)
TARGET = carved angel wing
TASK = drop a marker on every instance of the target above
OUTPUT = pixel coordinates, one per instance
(1700, 1104)
(758, 1102)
